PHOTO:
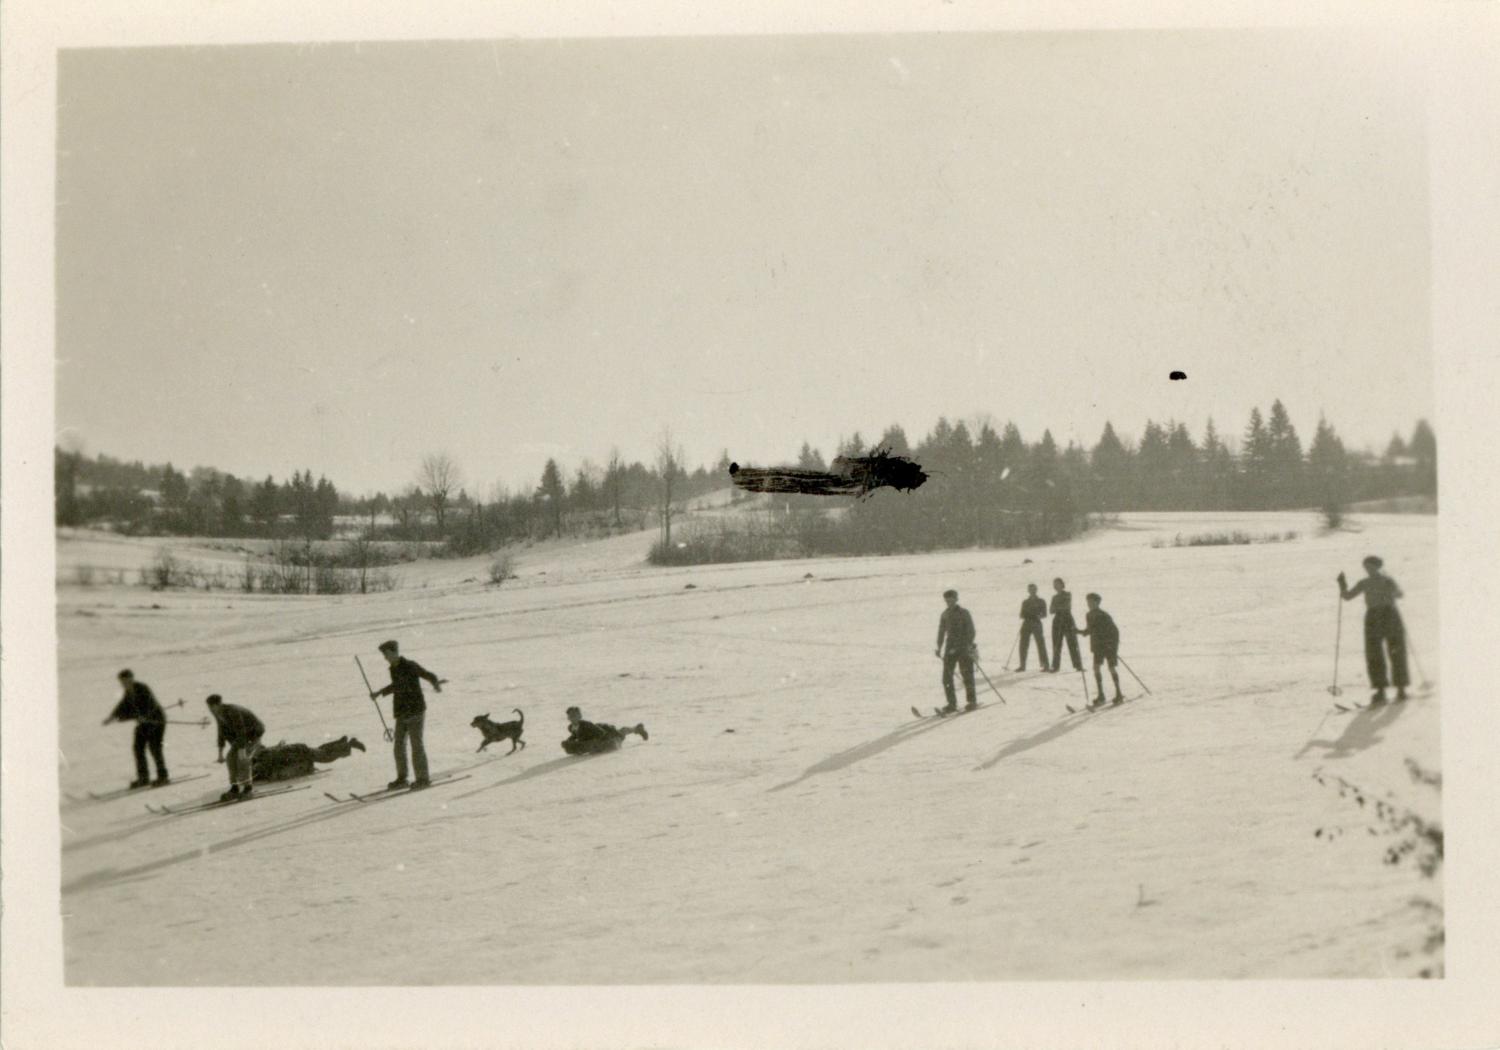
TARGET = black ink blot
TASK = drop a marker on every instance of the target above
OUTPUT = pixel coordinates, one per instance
(851, 476)
(1177, 375)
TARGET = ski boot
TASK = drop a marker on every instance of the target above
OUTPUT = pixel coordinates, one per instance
(971, 705)
(1401, 692)
(1118, 700)
(948, 709)
(354, 743)
(1098, 702)
(231, 795)
(1377, 698)
(420, 783)
(161, 781)
(245, 790)
(138, 783)
(399, 782)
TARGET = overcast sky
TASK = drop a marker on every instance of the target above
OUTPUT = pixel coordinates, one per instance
(344, 257)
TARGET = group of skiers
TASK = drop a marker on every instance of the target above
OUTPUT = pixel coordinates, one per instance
(956, 645)
(250, 760)
(1385, 636)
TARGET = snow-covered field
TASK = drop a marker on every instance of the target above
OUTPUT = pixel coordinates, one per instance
(788, 821)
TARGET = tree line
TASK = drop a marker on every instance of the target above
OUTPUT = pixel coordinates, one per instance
(988, 486)
(434, 506)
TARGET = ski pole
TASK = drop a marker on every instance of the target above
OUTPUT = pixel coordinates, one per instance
(991, 684)
(1014, 642)
(1134, 675)
(1338, 637)
(1083, 677)
(388, 734)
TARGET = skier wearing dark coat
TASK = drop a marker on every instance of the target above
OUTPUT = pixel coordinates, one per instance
(1104, 643)
(1383, 628)
(955, 644)
(1033, 611)
(1063, 627)
(241, 730)
(287, 761)
(592, 738)
(410, 710)
(139, 705)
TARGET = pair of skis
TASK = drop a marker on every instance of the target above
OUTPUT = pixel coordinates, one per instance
(221, 803)
(110, 796)
(1109, 705)
(1354, 705)
(942, 712)
(396, 792)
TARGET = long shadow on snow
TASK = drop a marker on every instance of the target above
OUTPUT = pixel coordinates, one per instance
(1365, 729)
(860, 752)
(1062, 727)
(534, 771)
(112, 876)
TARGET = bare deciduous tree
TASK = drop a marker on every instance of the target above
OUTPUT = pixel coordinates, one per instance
(614, 480)
(438, 477)
(669, 460)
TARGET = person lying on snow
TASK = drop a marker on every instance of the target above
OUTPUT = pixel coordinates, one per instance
(592, 738)
(287, 761)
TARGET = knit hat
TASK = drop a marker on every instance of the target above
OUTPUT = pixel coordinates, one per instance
(389, 646)
(1373, 561)
(214, 699)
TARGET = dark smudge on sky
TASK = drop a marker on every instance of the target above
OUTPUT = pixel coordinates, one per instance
(851, 476)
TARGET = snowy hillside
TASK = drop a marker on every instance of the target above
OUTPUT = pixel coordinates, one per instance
(788, 820)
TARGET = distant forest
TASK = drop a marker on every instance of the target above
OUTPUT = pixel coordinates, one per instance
(988, 487)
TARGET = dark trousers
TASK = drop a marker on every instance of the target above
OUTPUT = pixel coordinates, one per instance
(1063, 627)
(1102, 657)
(410, 727)
(149, 735)
(964, 661)
(1383, 625)
(1031, 631)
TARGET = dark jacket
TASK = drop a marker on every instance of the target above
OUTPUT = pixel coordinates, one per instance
(1104, 636)
(238, 725)
(1380, 591)
(138, 704)
(1033, 608)
(957, 626)
(587, 738)
(586, 731)
(1062, 604)
(406, 685)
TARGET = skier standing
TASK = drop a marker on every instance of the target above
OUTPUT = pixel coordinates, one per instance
(1063, 627)
(1033, 611)
(1104, 643)
(241, 730)
(956, 628)
(410, 710)
(1383, 627)
(139, 705)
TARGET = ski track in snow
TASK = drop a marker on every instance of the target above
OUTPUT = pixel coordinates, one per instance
(828, 837)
